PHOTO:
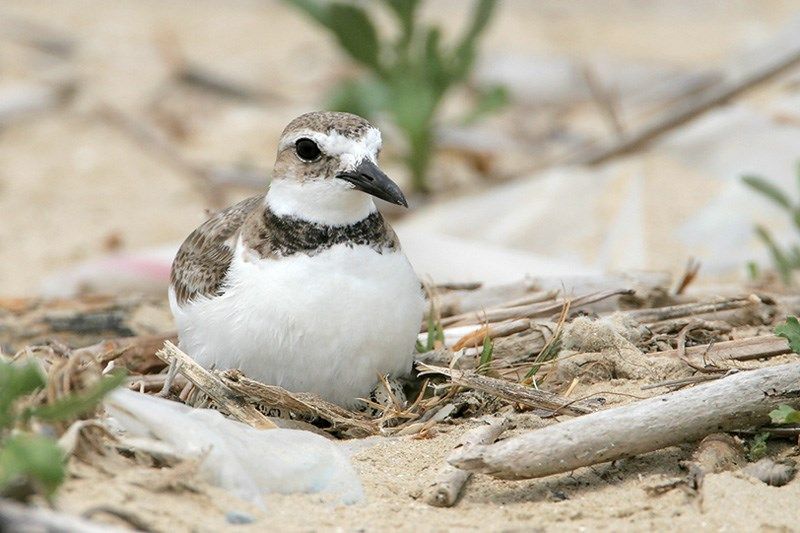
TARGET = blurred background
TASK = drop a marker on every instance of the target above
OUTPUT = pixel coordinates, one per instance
(543, 138)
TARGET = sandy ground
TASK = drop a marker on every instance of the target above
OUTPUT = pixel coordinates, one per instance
(69, 183)
(606, 497)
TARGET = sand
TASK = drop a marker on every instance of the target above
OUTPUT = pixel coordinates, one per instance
(69, 183)
(606, 497)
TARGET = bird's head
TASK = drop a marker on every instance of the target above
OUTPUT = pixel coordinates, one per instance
(327, 171)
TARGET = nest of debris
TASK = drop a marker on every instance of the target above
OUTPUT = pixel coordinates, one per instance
(488, 352)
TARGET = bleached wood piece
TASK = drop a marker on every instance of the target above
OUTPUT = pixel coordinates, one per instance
(227, 398)
(449, 481)
(740, 401)
(531, 310)
(354, 423)
(681, 310)
(739, 350)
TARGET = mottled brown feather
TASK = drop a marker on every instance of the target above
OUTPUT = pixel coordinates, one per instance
(204, 257)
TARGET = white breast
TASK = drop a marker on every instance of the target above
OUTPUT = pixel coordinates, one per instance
(327, 324)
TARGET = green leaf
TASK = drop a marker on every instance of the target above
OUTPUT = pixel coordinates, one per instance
(758, 447)
(412, 105)
(782, 263)
(438, 333)
(785, 414)
(486, 353)
(752, 270)
(489, 101)
(74, 405)
(362, 97)
(356, 34)
(480, 20)
(404, 10)
(465, 52)
(31, 458)
(16, 381)
(769, 190)
(548, 352)
(790, 330)
(435, 72)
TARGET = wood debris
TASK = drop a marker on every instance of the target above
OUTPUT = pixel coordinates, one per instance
(739, 401)
(445, 489)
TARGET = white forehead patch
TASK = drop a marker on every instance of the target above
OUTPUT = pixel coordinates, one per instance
(350, 151)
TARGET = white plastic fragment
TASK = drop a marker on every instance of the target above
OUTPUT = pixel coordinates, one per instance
(247, 462)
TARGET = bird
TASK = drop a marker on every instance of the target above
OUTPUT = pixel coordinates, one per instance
(306, 286)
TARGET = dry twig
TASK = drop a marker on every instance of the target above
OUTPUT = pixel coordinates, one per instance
(510, 391)
(446, 487)
(530, 310)
(690, 110)
(305, 404)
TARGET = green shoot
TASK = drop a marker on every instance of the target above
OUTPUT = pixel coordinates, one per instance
(435, 332)
(486, 354)
(405, 77)
(548, 352)
(785, 414)
(791, 331)
(785, 260)
(757, 447)
(31, 463)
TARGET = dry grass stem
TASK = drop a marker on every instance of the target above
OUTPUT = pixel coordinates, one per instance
(512, 392)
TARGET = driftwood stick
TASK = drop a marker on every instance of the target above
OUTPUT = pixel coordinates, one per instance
(223, 395)
(155, 382)
(511, 391)
(740, 401)
(739, 350)
(137, 354)
(690, 110)
(300, 403)
(658, 314)
(531, 310)
(446, 487)
(463, 301)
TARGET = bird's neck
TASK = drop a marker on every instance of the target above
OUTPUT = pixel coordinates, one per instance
(325, 202)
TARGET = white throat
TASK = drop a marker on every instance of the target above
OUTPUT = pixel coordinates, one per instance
(331, 202)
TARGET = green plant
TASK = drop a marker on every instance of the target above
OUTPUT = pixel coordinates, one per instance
(790, 330)
(785, 414)
(407, 77)
(487, 353)
(548, 352)
(757, 446)
(31, 461)
(435, 333)
(786, 260)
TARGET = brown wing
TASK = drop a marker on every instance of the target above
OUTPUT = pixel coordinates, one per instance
(204, 257)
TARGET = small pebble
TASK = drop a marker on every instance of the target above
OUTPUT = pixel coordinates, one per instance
(238, 517)
(772, 472)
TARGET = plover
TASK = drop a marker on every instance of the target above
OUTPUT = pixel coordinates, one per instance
(305, 287)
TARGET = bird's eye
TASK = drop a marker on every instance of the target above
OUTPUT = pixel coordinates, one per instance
(307, 149)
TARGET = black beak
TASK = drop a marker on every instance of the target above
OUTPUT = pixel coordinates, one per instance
(369, 178)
